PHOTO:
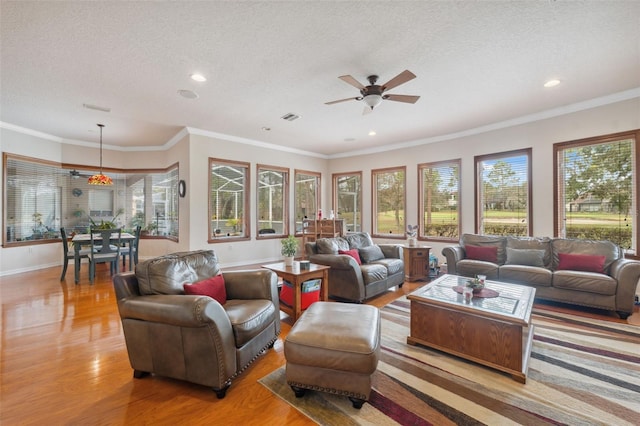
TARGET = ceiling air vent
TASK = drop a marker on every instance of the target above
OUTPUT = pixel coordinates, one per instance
(290, 116)
(96, 107)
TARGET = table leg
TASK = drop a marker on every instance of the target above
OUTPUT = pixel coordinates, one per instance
(297, 295)
(130, 255)
(324, 286)
(76, 262)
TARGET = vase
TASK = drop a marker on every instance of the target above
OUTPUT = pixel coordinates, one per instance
(288, 260)
(412, 241)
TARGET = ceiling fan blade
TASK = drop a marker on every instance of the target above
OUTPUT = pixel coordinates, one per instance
(341, 100)
(410, 99)
(399, 79)
(352, 81)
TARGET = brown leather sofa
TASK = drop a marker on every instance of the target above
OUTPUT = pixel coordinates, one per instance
(382, 265)
(195, 338)
(535, 261)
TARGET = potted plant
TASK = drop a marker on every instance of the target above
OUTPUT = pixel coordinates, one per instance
(108, 224)
(289, 249)
(412, 232)
(150, 229)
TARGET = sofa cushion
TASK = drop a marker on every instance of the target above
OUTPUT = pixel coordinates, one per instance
(471, 268)
(525, 257)
(527, 275)
(359, 239)
(370, 254)
(590, 282)
(487, 254)
(581, 262)
(167, 274)
(532, 243)
(331, 245)
(393, 265)
(591, 247)
(249, 318)
(372, 273)
(212, 287)
(353, 253)
(487, 240)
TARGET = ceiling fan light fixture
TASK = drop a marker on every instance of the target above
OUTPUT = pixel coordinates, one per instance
(372, 101)
(100, 179)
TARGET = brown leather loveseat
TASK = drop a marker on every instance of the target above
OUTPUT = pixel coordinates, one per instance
(192, 337)
(382, 265)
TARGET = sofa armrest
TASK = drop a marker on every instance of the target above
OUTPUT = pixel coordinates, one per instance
(391, 251)
(627, 274)
(453, 254)
(173, 309)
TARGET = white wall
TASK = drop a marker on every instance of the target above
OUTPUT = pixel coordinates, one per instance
(539, 135)
(240, 252)
(192, 152)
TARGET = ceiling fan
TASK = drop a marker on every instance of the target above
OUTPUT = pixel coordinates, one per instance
(373, 94)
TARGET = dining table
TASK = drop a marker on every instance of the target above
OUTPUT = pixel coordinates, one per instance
(80, 240)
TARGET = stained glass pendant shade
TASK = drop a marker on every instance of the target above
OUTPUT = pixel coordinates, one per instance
(100, 179)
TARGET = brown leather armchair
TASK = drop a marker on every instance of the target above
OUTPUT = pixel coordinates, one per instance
(195, 338)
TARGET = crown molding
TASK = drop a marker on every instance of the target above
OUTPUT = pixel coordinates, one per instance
(543, 115)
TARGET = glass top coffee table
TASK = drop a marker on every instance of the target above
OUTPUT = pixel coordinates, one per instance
(492, 331)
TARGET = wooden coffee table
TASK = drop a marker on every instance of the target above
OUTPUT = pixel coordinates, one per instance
(296, 277)
(496, 332)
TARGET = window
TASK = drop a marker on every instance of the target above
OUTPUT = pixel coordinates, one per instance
(597, 190)
(389, 202)
(273, 201)
(228, 200)
(503, 193)
(439, 191)
(347, 199)
(43, 196)
(307, 196)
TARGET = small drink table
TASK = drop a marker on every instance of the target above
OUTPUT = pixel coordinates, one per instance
(416, 262)
(296, 277)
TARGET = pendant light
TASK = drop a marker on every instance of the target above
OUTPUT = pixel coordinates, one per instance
(100, 179)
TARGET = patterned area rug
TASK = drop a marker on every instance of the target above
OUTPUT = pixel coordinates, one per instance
(582, 371)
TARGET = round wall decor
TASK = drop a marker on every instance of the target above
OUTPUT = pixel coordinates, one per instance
(76, 192)
(182, 188)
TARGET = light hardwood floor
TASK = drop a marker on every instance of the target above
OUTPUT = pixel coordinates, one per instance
(64, 361)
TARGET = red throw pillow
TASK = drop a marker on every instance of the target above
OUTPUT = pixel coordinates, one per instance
(485, 253)
(353, 253)
(212, 287)
(581, 262)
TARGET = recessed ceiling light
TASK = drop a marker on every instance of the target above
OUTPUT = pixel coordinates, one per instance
(372, 133)
(552, 83)
(189, 94)
(198, 77)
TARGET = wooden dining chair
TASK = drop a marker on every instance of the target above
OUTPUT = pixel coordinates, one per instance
(131, 250)
(105, 247)
(69, 254)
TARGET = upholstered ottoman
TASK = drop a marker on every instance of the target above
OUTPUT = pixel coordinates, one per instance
(334, 347)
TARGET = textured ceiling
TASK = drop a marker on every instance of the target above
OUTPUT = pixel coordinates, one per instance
(477, 63)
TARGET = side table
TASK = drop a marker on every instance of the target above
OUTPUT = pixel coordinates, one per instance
(416, 262)
(296, 277)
